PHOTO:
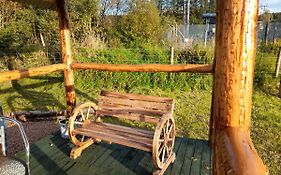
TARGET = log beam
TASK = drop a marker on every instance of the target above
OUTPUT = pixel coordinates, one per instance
(193, 68)
(66, 54)
(18, 74)
(235, 54)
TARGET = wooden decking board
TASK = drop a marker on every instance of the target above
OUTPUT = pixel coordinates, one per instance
(196, 161)
(145, 166)
(93, 153)
(61, 160)
(190, 148)
(176, 149)
(193, 157)
(206, 159)
(180, 157)
(52, 159)
(43, 148)
(113, 163)
(131, 164)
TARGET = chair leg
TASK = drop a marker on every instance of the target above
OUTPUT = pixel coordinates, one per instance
(77, 150)
(162, 171)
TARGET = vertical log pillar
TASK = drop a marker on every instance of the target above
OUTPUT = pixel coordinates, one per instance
(235, 54)
(66, 55)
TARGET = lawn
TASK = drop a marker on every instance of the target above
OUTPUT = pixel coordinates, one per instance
(192, 109)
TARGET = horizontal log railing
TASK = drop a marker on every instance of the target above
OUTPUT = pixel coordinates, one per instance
(193, 68)
(22, 73)
(18, 74)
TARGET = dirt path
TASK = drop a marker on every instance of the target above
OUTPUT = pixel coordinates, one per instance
(34, 132)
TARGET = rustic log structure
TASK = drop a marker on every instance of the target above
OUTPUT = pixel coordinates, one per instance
(66, 54)
(193, 68)
(18, 74)
(235, 54)
(230, 118)
(24, 116)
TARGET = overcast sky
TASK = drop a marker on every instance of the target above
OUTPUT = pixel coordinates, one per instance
(272, 5)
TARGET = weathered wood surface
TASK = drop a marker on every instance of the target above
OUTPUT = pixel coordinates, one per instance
(37, 115)
(86, 123)
(235, 54)
(66, 53)
(51, 156)
(118, 134)
(18, 74)
(192, 68)
(134, 106)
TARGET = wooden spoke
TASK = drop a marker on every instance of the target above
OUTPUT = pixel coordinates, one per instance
(87, 116)
(78, 123)
(163, 154)
(81, 114)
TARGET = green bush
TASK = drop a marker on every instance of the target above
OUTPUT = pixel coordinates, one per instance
(272, 47)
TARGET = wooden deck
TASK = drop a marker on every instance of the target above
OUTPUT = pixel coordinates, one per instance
(50, 155)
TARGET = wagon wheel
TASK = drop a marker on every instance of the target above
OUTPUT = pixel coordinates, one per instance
(163, 141)
(82, 114)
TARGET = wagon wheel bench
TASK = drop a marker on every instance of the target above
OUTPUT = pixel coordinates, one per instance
(86, 126)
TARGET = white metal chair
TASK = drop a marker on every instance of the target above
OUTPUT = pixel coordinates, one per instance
(9, 165)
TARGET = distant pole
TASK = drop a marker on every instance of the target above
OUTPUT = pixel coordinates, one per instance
(206, 32)
(66, 54)
(278, 63)
(187, 20)
(184, 18)
(172, 56)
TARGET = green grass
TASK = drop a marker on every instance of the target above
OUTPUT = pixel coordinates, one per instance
(266, 127)
(192, 93)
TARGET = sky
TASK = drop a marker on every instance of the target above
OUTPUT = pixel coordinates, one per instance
(272, 5)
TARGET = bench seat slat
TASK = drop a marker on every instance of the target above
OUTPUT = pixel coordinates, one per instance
(131, 140)
(146, 133)
(125, 110)
(130, 116)
(135, 103)
(137, 97)
(124, 132)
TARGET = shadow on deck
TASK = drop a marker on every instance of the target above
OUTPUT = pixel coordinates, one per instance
(50, 155)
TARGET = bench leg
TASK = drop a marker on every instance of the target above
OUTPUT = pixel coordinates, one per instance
(162, 171)
(77, 150)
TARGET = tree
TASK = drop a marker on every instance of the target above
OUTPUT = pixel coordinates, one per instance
(141, 24)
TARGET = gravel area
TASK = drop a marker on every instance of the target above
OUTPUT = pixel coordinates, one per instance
(34, 132)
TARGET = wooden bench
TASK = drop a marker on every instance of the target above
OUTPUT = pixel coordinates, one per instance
(86, 126)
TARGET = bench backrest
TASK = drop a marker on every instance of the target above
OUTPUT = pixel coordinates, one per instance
(134, 106)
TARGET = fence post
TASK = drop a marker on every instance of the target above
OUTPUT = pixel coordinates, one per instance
(278, 63)
(172, 56)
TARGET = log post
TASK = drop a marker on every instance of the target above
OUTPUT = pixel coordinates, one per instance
(235, 54)
(66, 55)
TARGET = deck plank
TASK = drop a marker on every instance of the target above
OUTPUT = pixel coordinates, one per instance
(188, 157)
(50, 155)
(180, 157)
(196, 160)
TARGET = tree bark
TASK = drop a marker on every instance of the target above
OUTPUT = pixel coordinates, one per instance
(66, 54)
(235, 53)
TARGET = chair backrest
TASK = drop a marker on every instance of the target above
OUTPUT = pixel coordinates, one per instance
(134, 106)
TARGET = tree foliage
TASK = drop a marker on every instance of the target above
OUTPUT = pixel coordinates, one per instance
(143, 23)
